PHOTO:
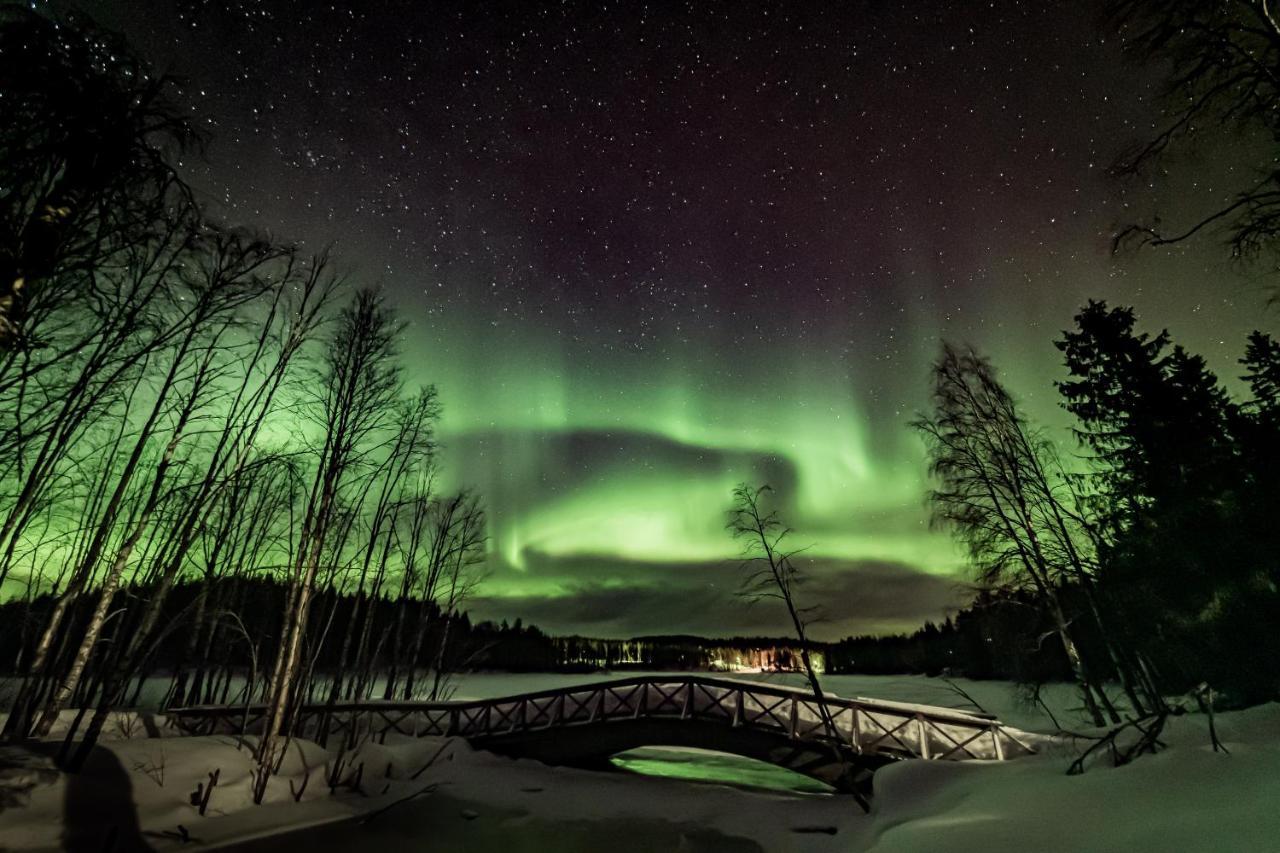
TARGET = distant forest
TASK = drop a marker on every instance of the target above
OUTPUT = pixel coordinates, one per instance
(209, 664)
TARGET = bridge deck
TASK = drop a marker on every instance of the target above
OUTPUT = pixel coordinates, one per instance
(865, 727)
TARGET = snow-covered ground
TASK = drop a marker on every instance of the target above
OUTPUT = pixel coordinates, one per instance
(1186, 798)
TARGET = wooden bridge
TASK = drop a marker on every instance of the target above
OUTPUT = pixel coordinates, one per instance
(584, 725)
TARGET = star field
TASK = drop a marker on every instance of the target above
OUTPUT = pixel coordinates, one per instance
(650, 250)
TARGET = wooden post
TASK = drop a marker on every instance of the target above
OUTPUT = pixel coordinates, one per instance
(924, 737)
(995, 738)
(795, 715)
(598, 710)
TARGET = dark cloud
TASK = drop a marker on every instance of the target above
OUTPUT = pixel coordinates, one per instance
(606, 594)
(536, 463)
(609, 597)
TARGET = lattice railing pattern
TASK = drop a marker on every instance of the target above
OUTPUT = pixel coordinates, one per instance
(861, 725)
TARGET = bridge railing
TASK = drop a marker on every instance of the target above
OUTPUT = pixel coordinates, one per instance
(861, 725)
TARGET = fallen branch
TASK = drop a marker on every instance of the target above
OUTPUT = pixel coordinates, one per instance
(1149, 727)
(956, 688)
(430, 761)
(420, 792)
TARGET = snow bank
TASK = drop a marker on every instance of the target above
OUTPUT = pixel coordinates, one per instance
(1187, 799)
(144, 790)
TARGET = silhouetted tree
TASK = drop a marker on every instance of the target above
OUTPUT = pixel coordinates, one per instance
(1223, 69)
(163, 419)
(998, 492)
(1185, 496)
(772, 574)
(356, 391)
(1262, 372)
(85, 133)
(245, 386)
(460, 528)
(411, 448)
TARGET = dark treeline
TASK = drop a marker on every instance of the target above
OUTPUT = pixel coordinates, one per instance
(212, 661)
(988, 640)
(685, 652)
(994, 638)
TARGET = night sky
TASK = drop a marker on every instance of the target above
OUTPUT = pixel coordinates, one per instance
(648, 251)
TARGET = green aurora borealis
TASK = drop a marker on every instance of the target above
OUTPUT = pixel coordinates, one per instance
(649, 253)
(607, 471)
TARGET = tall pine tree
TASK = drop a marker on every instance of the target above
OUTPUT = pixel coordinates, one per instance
(1175, 497)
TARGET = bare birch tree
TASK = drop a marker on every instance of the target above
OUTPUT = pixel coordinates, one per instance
(771, 573)
(461, 524)
(359, 384)
(994, 494)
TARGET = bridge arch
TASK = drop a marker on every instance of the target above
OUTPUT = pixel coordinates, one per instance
(583, 725)
(593, 747)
